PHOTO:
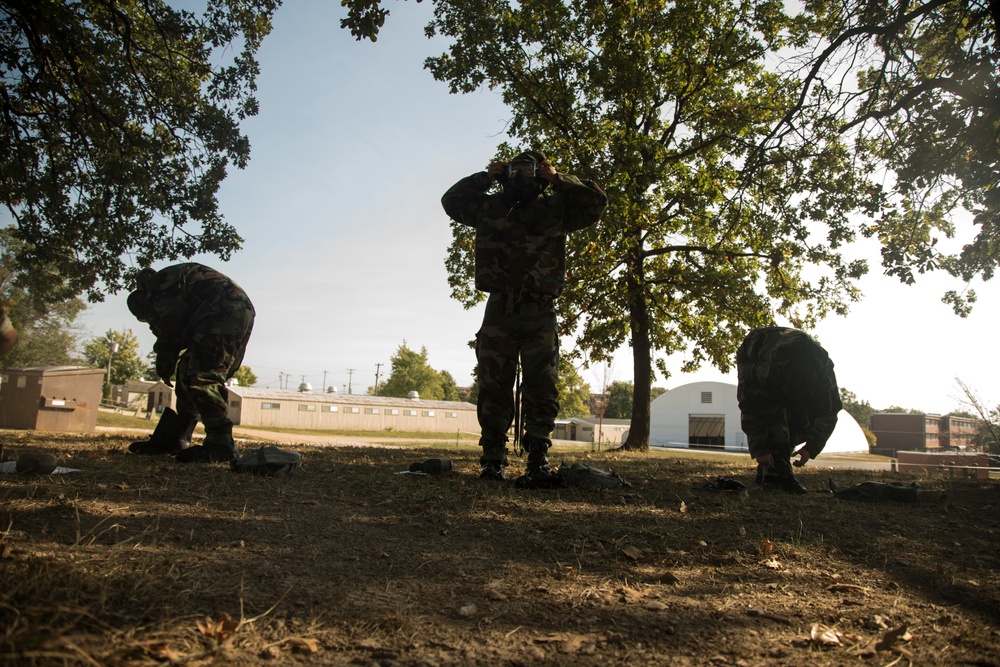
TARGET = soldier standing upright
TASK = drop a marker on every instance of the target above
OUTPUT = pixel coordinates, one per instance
(788, 395)
(202, 321)
(521, 261)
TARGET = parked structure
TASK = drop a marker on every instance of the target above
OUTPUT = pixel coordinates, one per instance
(707, 415)
(250, 406)
(900, 431)
(133, 394)
(51, 398)
(592, 429)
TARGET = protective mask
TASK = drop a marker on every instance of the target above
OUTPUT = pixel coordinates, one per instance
(521, 182)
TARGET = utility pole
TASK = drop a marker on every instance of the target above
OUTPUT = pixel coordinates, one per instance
(350, 373)
(281, 377)
(378, 367)
(323, 388)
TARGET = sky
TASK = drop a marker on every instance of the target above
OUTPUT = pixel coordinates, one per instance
(345, 238)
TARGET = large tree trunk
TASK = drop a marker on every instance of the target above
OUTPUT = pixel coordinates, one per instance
(642, 364)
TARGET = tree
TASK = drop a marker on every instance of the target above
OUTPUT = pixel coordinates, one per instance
(573, 391)
(245, 377)
(662, 104)
(924, 103)
(126, 362)
(47, 327)
(988, 436)
(411, 372)
(862, 411)
(118, 121)
(620, 396)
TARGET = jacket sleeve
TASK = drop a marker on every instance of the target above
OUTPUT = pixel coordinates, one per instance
(583, 201)
(823, 419)
(462, 200)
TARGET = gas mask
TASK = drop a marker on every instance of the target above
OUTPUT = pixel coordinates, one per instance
(521, 182)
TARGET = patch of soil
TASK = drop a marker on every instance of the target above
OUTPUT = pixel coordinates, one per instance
(142, 561)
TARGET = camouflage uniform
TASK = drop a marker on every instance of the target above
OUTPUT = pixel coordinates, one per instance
(787, 394)
(521, 261)
(202, 321)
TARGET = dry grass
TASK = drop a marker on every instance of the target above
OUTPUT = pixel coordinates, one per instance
(143, 561)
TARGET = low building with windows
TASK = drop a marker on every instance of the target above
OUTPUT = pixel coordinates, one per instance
(250, 406)
(592, 429)
(918, 432)
(706, 415)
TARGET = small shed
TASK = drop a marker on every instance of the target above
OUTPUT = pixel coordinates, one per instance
(51, 398)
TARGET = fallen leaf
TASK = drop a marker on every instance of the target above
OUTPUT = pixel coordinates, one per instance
(683, 507)
(305, 645)
(823, 635)
(492, 593)
(632, 552)
(771, 564)
(221, 631)
(890, 637)
(669, 578)
(767, 547)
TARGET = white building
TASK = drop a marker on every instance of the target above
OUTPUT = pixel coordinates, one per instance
(706, 414)
(250, 406)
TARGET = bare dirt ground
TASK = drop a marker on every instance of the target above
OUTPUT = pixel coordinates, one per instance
(144, 561)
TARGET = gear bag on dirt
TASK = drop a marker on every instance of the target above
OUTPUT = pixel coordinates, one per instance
(580, 474)
(268, 461)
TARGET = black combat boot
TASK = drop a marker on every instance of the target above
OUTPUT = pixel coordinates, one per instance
(171, 435)
(538, 474)
(218, 447)
(492, 463)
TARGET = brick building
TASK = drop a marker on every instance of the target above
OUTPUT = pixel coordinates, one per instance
(895, 432)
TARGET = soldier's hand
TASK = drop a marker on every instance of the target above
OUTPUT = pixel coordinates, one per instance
(165, 368)
(495, 170)
(803, 458)
(765, 460)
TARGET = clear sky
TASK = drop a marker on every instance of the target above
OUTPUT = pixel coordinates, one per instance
(345, 238)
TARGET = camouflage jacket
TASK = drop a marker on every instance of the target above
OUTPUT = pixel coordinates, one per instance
(188, 301)
(764, 361)
(522, 247)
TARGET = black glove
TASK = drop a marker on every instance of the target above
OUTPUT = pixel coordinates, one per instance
(165, 365)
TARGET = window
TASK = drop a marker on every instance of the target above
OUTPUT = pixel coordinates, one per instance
(451, 415)
(409, 413)
(706, 397)
(305, 407)
(352, 410)
(427, 413)
(329, 408)
(270, 406)
(371, 411)
(391, 411)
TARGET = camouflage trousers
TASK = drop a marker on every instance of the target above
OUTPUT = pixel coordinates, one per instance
(517, 327)
(203, 369)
